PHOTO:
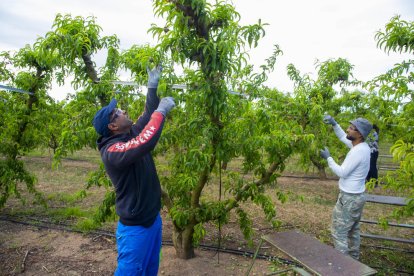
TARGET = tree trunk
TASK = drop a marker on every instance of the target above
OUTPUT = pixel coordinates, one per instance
(320, 167)
(183, 242)
(321, 173)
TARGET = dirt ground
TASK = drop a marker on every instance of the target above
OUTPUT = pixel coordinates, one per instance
(29, 250)
(32, 250)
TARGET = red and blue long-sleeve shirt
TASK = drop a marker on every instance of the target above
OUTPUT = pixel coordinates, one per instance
(131, 168)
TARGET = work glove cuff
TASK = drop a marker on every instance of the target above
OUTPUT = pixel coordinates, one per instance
(328, 119)
(152, 84)
(166, 104)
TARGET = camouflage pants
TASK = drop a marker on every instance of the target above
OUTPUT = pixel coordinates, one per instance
(345, 223)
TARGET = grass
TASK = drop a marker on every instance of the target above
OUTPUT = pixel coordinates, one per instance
(308, 208)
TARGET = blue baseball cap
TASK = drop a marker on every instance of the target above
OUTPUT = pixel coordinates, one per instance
(101, 119)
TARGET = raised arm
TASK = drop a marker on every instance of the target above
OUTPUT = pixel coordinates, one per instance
(125, 153)
(339, 132)
(152, 100)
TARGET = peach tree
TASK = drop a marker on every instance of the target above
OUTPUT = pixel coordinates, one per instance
(328, 94)
(393, 99)
(213, 128)
(28, 120)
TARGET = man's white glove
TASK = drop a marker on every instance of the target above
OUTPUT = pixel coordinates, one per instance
(165, 105)
(325, 153)
(327, 119)
(154, 76)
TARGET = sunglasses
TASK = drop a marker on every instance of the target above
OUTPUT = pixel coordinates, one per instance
(115, 114)
(351, 127)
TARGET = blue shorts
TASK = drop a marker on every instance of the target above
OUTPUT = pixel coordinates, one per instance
(139, 249)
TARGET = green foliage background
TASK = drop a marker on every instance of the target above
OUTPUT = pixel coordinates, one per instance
(258, 126)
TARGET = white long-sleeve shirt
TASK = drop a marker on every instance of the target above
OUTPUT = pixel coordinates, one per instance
(354, 169)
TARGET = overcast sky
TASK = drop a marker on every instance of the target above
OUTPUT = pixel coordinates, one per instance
(305, 30)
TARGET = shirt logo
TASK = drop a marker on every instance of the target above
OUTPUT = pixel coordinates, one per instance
(146, 134)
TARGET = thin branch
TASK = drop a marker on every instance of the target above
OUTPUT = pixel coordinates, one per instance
(22, 268)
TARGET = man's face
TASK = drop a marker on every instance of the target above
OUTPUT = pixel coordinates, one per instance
(352, 133)
(120, 119)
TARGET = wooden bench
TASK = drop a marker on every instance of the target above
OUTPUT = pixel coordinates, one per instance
(315, 256)
(389, 200)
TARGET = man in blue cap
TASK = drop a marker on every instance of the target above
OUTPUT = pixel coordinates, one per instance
(125, 149)
(352, 173)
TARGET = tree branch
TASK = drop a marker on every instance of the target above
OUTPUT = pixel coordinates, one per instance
(264, 180)
(201, 27)
(90, 69)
